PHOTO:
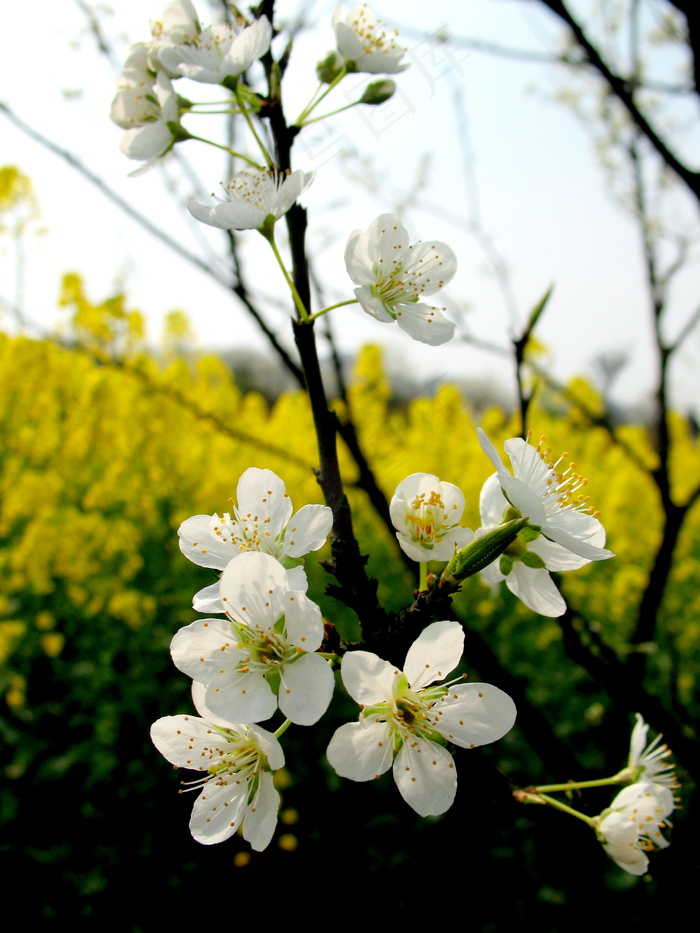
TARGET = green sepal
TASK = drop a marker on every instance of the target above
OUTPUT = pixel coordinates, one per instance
(505, 564)
(529, 533)
(532, 560)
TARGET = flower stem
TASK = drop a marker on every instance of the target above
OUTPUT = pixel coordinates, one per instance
(317, 98)
(577, 785)
(558, 805)
(351, 301)
(283, 728)
(244, 111)
(423, 584)
(303, 313)
(237, 155)
(331, 113)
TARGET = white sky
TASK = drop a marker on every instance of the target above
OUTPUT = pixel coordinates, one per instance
(541, 195)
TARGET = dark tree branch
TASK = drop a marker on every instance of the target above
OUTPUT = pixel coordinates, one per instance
(624, 92)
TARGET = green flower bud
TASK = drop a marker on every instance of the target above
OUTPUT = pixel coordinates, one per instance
(378, 92)
(482, 551)
(328, 69)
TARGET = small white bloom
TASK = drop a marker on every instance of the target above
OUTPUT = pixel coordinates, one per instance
(237, 761)
(256, 198)
(646, 762)
(157, 134)
(407, 722)
(426, 514)
(217, 53)
(364, 43)
(632, 825)
(261, 521)
(393, 276)
(545, 490)
(262, 654)
(178, 24)
(526, 564)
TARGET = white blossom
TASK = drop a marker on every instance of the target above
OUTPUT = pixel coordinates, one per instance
(260, 519)
(261, 655)
(545, 491)
(256, 198)
(632, 825)
(426, 514)
(407, 722)
(364, 43)
(393, 276)
(647, 762)
(218, 53)
(237, 761)
(526, 564)
(155, 137)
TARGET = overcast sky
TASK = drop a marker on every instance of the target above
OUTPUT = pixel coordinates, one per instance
(480, 131)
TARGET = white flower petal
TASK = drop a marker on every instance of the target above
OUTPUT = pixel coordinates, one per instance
(474, 714)
(201, 547)
(260, 819)
(253, 588)
(304, 622)
(308, 530)
(306, 689)
(434, 654)
(208, 600)
(536, 589)
(243, 697)
(218, 811)
(367, 678)
(262, 496)
(426, 777)
(361, 751)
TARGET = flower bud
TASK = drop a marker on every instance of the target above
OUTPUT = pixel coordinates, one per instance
(328, 69)
(482, 551)
(378, 92)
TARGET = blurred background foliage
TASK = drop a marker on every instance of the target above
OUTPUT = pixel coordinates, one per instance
(107, 446)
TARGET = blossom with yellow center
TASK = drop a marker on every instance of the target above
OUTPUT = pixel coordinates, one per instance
(262, 655)
(261, 521)
(364, 43)
(426, 514)
(407, 719)
(237, 761)
(632, 825)
(547, 494)
(392, 276)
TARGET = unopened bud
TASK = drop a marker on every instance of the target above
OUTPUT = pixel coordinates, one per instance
(482, 551)
(328, 69)
(378, 91)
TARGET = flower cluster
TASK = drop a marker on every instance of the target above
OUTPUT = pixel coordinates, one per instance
(263, 652)
(258, 656)
(262, 655)
(632, 825)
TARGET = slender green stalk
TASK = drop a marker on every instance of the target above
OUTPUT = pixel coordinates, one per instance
(244, 111)
(340, 304)
(558, 805)
(423, 584)
(237, 155)
(303, 313)
(317, 98)
(331, 113)
(577, 785)
(283, 728)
